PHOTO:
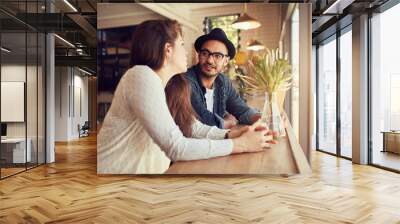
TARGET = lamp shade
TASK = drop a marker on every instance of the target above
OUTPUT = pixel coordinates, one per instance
(245, 22)
(254, 45)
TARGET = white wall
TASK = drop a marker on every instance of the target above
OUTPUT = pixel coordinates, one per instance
(17, 72)
(14, 72)
(33, 127)
(80, 83)
(68, 83)
(61, 103)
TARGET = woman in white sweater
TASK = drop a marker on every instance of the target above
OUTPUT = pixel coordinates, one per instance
(139, 135)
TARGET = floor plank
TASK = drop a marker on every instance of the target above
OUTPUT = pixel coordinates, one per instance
(387, 159)
(69, 191)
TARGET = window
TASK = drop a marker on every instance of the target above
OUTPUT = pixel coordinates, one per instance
(224, 22)
(295, 107)
(346, 93)
(385, 87)
(334, 94)
(22, 66)
(326, 135)
(394, 101)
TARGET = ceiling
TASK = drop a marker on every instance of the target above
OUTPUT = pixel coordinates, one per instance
(123, 14)
(76, 24)
(332, 15)
(197, 6)
(80, 27)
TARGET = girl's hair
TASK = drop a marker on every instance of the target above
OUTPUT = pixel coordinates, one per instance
(178, 93)
(149, 39)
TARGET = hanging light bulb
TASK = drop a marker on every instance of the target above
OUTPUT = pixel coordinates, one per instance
(255, 45)
(245, 22)
(241, 58)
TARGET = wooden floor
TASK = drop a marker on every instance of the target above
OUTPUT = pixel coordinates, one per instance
(387, 159)
(10, 171)
(69, 191)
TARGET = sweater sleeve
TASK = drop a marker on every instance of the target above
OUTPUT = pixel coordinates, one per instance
(145, 96)
(200, 130)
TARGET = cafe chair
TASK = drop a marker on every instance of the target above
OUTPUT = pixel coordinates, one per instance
(84, 130)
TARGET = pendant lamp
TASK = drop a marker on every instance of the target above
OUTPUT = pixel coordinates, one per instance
(245, 22)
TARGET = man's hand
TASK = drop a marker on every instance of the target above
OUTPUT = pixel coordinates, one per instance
(255, 118)
(229, 121)
(237, 131)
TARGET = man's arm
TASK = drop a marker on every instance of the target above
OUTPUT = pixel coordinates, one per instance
(238, 108)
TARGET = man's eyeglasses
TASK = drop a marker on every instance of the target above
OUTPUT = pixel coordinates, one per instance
(217, 56)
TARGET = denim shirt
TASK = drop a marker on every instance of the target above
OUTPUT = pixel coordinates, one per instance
(226, 98)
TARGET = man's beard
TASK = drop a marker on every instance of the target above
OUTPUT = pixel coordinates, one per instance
(206, 74)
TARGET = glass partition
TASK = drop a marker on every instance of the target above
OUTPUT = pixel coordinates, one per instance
(31, 99)
(326, 136)
(14, 153)
(22, 88)
(385, 89)
(346, 94)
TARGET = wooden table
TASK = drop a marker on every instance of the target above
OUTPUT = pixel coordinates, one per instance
(391, 141)
(284, 158)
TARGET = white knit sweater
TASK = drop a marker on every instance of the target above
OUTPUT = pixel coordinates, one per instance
(139, 135)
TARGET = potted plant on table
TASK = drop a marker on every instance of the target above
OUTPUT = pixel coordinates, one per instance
(271, 74)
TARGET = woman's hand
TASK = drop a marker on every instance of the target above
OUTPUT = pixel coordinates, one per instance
(237, 131)
(253, 138)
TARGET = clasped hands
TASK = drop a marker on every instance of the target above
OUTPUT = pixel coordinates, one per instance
(254, 138)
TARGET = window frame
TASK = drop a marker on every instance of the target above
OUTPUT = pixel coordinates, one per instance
(378, 10)
(334, 37)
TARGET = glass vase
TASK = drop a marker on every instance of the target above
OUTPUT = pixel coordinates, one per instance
(271, 114)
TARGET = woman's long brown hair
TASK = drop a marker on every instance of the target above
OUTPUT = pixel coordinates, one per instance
(149, 39)
(178, 92)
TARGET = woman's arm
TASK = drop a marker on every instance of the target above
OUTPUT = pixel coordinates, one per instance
(200, 130)
(144, 93)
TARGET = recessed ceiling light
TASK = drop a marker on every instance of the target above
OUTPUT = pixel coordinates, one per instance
(5, 50)
(337, 7)
(70, 5)
(84, 71)
(65, 41)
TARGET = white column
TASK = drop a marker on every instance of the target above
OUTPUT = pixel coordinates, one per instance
(50, 93)
(305, 87)
(50, 99)
(360, 90)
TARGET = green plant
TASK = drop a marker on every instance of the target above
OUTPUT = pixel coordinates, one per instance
(270, 72)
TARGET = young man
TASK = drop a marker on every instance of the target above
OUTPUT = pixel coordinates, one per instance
(212, 92)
